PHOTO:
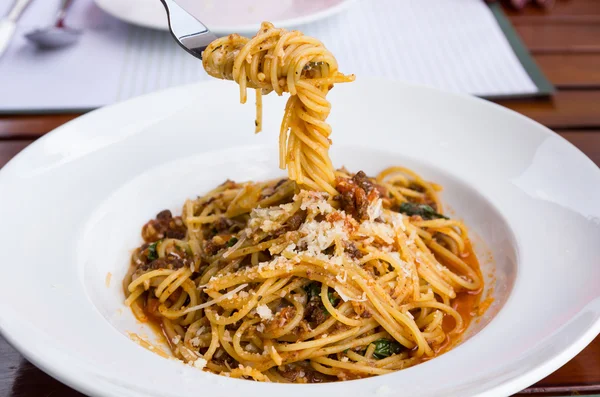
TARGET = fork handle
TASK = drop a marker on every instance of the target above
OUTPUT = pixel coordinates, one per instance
(191, 34)
(17, 9)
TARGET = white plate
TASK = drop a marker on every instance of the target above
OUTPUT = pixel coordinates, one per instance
(73, 202)
(227, 16)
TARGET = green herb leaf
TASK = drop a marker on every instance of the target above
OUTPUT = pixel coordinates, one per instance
(152, 254)
(312, 290)
(232, 241)
(423, 210)
(332, 298)
(385, 348)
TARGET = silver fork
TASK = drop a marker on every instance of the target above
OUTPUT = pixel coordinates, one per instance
(191, 34)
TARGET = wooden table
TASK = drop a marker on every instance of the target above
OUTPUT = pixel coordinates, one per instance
(566, 44)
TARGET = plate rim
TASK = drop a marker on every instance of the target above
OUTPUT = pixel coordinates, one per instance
(74, 378)
(228, 29)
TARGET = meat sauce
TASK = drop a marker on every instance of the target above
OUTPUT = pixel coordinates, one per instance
(467, 304)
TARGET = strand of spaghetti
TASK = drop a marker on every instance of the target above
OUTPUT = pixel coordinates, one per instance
(249, 371)
(179, 278)
(226, 320)
(169, 313)
(133, 296)
(237, 347)
(434, 304)
(167, 281)
(324, 370)
(278, 60)
(147, 276)
(399, 288)
(215, 301)
(214, 342)
(317, 343)
(290, 325)
(350, 366)
(333, 311)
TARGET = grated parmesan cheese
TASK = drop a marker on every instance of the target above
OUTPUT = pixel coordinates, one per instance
(346, 298)
(374, 210)
(269, 219)
(200, 363)
(397, 220)
(176, 339)
(314, 202)
(264, 312)
(221, 298)
(340, 278)
(318, 236)
(381, 230)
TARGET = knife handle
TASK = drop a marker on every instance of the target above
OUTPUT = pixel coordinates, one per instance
(17, 9)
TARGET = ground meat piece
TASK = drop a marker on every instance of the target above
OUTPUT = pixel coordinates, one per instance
(315, 313)
(211, 248)
(168, 262)
(222, 358)
(223, 224)
(356, 193)
(164, 263)
(292, 224)
(362, 180)
(351, 249)
(416, 187)
(313, 376)
(295, 221)
(165, 225)
(291, 372)
(353, 199)
(164, 215)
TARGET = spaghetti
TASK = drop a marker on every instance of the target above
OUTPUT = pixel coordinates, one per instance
(322, 276)
(271, 282)
(286, 61)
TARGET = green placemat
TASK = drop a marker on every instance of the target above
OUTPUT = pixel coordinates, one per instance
(545, 88)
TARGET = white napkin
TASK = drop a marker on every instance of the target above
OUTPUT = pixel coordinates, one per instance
(455, 45)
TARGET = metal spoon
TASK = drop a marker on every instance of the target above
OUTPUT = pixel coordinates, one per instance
(189, 32)
(57, 35)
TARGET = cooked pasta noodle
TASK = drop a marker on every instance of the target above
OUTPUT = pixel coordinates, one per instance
(286, 61)
(321, 276)
(267, 281)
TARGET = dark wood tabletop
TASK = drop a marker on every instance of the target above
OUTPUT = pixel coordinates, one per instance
(565, 42)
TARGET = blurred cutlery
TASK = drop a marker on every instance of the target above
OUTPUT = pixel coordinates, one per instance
(189, 32)
(9, 23)
(57, 35)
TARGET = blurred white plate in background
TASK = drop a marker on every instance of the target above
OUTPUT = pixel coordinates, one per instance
(227, 16)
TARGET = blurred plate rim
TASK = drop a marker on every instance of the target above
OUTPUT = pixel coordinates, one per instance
(121, 10)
